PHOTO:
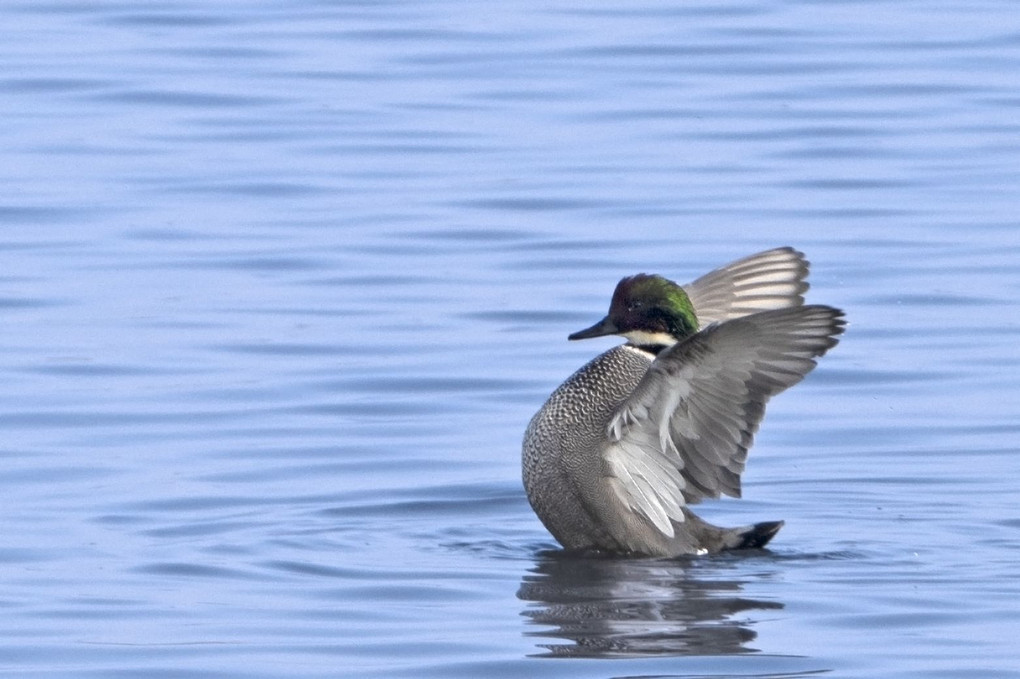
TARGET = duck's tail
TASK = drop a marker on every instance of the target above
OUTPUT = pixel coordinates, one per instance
(757, 536)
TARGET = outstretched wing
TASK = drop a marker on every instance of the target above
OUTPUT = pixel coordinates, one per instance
(774, 279)
(683, 434)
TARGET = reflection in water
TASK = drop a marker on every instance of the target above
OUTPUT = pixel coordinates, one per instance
(635, 607)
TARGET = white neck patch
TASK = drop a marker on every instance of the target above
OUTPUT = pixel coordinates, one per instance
(642, 337)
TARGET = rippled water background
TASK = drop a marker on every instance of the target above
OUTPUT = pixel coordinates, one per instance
(282, 283)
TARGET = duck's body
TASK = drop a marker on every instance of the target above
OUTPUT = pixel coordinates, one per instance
(618, 452)
(568, 489)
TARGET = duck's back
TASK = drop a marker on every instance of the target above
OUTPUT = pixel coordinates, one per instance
(563, 444)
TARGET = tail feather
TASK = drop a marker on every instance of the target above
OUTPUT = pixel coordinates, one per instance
(758, 535)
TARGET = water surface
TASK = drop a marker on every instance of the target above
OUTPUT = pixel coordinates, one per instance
(282, 283)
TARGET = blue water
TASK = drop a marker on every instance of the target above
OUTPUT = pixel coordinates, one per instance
(281, 284)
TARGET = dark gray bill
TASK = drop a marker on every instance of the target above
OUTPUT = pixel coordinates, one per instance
(603, 327)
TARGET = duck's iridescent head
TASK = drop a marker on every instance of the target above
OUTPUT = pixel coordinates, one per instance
(648, 310)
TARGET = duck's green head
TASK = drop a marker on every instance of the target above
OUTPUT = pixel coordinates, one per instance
(648, 310)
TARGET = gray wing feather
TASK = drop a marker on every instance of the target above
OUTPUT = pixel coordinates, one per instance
(774, 279)
(683, 434)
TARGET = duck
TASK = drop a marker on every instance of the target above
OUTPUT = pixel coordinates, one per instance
(618, 454)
